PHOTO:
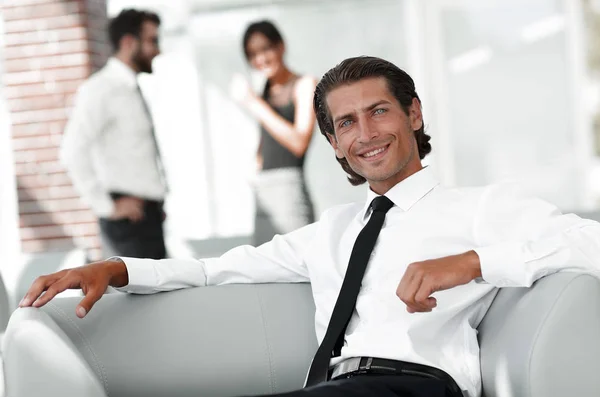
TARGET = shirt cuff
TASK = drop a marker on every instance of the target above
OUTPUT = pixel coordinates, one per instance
(141, 275)
(503, 265)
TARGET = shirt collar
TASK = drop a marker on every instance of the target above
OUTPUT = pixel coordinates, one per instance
(407, 192)
(122, 72)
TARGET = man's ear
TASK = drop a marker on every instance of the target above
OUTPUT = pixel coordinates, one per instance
(129, 43)
(415, 115)
(334, 144)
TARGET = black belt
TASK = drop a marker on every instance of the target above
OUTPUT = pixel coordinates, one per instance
(381, 366)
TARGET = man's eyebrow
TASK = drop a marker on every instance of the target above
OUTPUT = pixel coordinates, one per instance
(373, 106)
(342, 117)
(365, 109)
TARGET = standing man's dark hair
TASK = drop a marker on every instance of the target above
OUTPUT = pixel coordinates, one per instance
(351, 70)
(129, 22)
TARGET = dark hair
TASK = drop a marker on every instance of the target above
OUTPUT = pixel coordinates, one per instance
(351, 70)
(266, 28)
(128, 21)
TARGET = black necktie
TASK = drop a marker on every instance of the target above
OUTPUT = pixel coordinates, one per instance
(344, 306)
(159, 162)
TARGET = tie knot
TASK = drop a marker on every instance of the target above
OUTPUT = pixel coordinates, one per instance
(381, 204)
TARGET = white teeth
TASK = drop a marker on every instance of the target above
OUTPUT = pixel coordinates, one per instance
(373, 152)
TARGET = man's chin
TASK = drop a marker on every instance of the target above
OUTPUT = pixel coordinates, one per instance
(377, 176)
(143, 67)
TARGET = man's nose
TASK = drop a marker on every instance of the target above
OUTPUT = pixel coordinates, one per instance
(367, 131)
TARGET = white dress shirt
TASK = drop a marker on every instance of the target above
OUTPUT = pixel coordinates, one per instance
(108, 144)
(518, 240)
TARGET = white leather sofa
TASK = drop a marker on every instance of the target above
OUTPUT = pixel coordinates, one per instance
(254, 339)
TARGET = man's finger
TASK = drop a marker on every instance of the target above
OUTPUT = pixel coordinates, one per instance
(408, 291)
(415, 310)
(423, 296)
(86, 304)
(137, 214)
(419, 283)
(36, 289)
(53, 290)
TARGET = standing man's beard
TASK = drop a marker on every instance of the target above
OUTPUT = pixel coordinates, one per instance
(143, 65)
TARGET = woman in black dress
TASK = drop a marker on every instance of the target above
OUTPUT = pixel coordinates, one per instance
(286, 117)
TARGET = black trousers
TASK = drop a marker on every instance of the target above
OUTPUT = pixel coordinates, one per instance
(375, 386)
(143, 239)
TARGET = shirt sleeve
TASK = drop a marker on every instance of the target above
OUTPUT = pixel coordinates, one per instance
(523, 238)
(279, 261)
(83, 129)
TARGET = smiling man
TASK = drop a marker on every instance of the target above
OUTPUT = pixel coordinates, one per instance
(400, 281)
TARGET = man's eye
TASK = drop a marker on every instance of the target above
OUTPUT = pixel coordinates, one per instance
(379, 111)
(345, 123)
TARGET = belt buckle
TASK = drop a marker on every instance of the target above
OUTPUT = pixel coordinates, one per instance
(364, 368)
(351, 367)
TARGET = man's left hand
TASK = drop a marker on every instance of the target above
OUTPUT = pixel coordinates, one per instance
(422, 279)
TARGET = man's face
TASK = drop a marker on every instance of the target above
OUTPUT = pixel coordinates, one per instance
(147, 48)
(373, 132)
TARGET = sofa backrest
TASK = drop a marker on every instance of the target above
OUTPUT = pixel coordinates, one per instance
(223, 341)
(543, 341)
(259, 339)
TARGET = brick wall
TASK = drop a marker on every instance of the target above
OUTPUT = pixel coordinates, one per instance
(51, 47)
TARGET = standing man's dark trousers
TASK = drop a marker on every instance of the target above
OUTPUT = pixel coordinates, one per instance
(375, 386)
(143, 239)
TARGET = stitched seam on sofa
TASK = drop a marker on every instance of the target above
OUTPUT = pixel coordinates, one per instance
(268, 345)
(541, 326)
(87, 344)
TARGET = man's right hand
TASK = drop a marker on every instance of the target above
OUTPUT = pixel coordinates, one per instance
(92, 279)
(131, 208)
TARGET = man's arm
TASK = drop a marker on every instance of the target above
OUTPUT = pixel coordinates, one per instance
(280, 260)
(81, 133)
(524, 238)
(520, 239)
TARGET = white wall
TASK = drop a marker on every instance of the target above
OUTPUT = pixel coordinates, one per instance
(511, 106)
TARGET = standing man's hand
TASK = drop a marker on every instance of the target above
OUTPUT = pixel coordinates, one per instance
(131, 208)
(92, 279)
(422, 279)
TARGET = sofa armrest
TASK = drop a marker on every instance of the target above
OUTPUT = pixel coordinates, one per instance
(543, 341)
(40, 360)
(211, 341)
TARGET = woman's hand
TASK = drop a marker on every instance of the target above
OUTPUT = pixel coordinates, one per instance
(240, 89)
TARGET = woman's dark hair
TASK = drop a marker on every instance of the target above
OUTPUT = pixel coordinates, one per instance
(129, 21)
(266, 28)
(351, 70)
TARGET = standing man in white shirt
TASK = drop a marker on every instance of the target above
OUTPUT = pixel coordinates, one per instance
(109, 147)
(401, 281)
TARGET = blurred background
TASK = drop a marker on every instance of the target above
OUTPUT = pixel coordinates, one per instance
(510, 90)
